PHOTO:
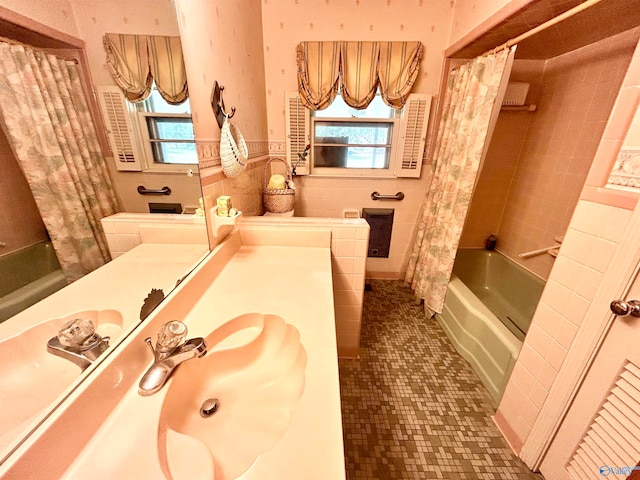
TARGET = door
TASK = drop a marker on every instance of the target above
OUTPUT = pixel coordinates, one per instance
(600, 435)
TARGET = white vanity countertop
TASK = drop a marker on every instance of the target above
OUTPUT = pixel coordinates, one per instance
(120, 285)
(291, 282)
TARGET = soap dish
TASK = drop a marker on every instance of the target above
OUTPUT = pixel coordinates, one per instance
(222, 226)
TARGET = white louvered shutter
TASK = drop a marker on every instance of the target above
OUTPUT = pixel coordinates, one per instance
(298, 135)
(119, 128)
(611, 440)
(413, 135)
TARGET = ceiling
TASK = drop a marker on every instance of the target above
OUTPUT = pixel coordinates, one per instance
(597, 22)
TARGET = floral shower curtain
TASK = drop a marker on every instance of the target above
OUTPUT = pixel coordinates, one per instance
(471, 94)
(44, 114)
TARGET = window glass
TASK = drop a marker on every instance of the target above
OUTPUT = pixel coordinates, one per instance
(168, 131)
(172, 140)
(352, 144)
(155, 103)
(339, 109)
(347, 138)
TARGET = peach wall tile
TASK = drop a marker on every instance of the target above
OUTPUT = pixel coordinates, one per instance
(577, 309)
(362, 234)
(362, 246)
(601, 255)
(615, 224)
(522, 377)
(506, 428)
(574, 95)
(359, 264)
(565, 333)
(556, 296)
(342, 281)
(342, 264)
(589, 283)
(345, 248)
(578, 246)
(547, 318)
(554, 354)
(347, 297)
(566, 271)
(538, 394)
(358, 282)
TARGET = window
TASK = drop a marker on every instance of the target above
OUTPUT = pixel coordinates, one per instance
(148, 136)
(166, 133)
(359, 140)
(377, 141)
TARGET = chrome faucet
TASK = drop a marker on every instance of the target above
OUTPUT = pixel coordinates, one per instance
(78, 342)
(172, 349)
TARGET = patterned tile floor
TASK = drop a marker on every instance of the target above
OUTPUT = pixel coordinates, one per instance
(412, 408)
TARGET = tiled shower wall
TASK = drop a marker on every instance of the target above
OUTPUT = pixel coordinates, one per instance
(20, 222)
(590, 242)
(576, 93)
(596, 228)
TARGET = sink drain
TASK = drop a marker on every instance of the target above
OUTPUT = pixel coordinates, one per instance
(209, 407)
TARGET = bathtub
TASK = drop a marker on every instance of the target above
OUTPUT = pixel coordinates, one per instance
(28, 275)
(487, 312)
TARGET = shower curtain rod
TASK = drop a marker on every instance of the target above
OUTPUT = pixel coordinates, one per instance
(543, 26)
(17, 42)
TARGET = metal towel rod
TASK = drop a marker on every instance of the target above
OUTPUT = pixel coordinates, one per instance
(142, 190)
(398, 196)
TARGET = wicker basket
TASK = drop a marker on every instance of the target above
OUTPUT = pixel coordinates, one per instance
(233, 149)
(277, 200)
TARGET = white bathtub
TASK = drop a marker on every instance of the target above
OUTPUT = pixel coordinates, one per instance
(487, 312)
(28, 275)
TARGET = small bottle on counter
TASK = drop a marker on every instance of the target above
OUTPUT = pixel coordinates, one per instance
(491, 242)
(223, 203)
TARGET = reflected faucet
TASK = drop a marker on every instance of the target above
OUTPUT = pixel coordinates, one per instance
(172, 349)
(78, 342)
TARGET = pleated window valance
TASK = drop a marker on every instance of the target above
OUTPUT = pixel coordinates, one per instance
(357, 70)
(135, 61)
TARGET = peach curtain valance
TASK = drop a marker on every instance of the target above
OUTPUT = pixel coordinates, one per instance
(357, 70)
(135, 61)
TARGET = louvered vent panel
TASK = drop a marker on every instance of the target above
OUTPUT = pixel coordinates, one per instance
(614, 435)
(119, 128)
(297, 118)
(413, 135)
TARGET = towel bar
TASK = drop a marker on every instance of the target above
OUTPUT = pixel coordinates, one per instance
(398, 196)
(142, 190)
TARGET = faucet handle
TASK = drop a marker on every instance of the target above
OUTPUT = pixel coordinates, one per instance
(75, 332)
(171, 335)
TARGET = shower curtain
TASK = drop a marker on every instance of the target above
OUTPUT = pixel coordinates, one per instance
(472, 91)
(45, 116)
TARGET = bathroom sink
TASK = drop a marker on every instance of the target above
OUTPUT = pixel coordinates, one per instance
(255, 369)
(32, 378)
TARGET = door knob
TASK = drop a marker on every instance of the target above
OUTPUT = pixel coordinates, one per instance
(622, 308)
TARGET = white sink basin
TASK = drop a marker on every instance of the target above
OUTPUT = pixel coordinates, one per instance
(32, 378)
(255, 368)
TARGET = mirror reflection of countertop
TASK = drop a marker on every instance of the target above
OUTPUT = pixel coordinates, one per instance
(120, 434)
(120, 286)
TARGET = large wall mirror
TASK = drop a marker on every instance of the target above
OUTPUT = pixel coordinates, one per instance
(30, 386)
